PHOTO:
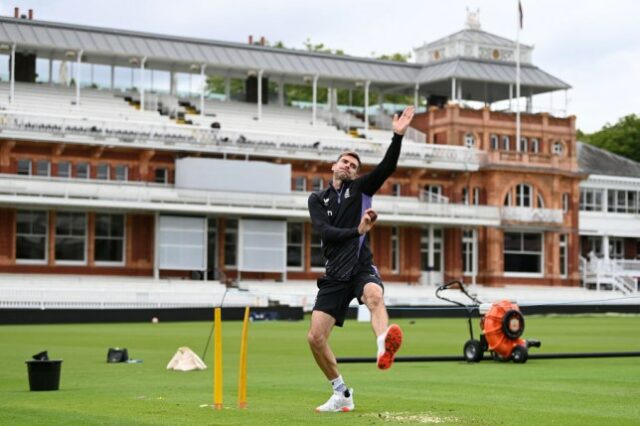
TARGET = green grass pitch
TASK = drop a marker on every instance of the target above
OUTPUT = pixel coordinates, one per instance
(284, 385)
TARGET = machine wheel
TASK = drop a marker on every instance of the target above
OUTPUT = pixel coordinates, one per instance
(472, 351)
(513, 324)
(520, 354)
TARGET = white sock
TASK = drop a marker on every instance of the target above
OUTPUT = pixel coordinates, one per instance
(380, 341)
(338, 384)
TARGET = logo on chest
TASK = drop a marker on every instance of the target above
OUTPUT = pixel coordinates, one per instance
(347, 194)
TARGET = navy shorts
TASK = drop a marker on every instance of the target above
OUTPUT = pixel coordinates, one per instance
(335, 296)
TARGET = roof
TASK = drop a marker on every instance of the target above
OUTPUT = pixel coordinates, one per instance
(183, 54)
(475, 36)
(597, 161)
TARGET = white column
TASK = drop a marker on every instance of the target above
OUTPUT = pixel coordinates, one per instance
(315, 98)
(50, 70)
(459, 97)
(281, 92)
(79, 60)
(142, 62)
(113, 77)
(430, 257)
(202, 88)
(366, 104)
(453, 89)
(605, 247)
(151, 76)
(172, 82)
(227, 89)
(416, 96)
(12, 90)
(260, 72)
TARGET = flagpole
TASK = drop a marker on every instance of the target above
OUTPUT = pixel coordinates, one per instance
(518, 77)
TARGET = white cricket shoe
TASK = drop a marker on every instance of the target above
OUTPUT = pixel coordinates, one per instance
(338, 403)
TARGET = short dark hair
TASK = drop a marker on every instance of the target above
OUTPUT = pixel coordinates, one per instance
(352, 154)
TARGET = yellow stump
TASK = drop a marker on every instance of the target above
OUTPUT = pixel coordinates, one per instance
(242, 371)
(217, 359)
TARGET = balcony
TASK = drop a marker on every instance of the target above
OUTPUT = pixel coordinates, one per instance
(529, 216)
(529, 159)
(228, 141)
(29, 191)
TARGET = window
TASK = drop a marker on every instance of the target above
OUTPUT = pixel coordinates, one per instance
(24, 167)
(469, 140)
(540, 201)
(594, 244)
(212, 246)
(395, 249)
(591, 199)
(437, 250)
(317, 259)
(295, 245)
(564, 267)
(317, 184)
(31, 236)
(396, 189)
(43, 168)
(465, 196)
(565, 202)
(505, 143)
(64, 169)
(102, 172)
(523, 253)
(300, 183)
(616, 248)
(83, 171)
(524, 145)
(161, 176)
(231, 242)
(467, 252)
(109, 239)
(495, 142)
(71, 232)
(476, 196)
(621, 201)
(535, 145)
(557, 148)
(121, 172)
(432, 194)
(523, 195)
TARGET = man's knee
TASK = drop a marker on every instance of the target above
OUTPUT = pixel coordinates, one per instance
(316, 340)
(373, 296)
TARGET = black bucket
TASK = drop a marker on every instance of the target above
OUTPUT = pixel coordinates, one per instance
(44, 375)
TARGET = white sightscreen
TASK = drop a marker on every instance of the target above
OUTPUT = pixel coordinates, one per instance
(262, 245)
(182, 243)
(233, 175)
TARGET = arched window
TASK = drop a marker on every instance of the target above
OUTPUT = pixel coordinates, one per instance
(523, 197)
(524, 145)
(505, 143)
(469, 140)
(540, 201)
(535, 145)
(495, 143)
(558, 148)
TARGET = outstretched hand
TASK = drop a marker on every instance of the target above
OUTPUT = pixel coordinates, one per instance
(366, 222)
(401, 124)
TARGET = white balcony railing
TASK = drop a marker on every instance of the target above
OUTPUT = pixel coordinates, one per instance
(46, 191)
(530, 215)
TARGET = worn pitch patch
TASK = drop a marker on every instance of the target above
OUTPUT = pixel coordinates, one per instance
(423, 418)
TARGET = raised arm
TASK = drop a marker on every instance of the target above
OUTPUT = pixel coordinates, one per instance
(372, 181)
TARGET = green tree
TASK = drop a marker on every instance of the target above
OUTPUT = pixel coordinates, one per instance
(397, 57)
(622, 138)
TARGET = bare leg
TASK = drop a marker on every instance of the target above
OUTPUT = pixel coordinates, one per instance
(372, 296)
(318, 337)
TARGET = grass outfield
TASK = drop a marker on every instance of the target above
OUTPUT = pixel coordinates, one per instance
(284, 384)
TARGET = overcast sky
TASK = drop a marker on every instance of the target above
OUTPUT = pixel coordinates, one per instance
(594, 45)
